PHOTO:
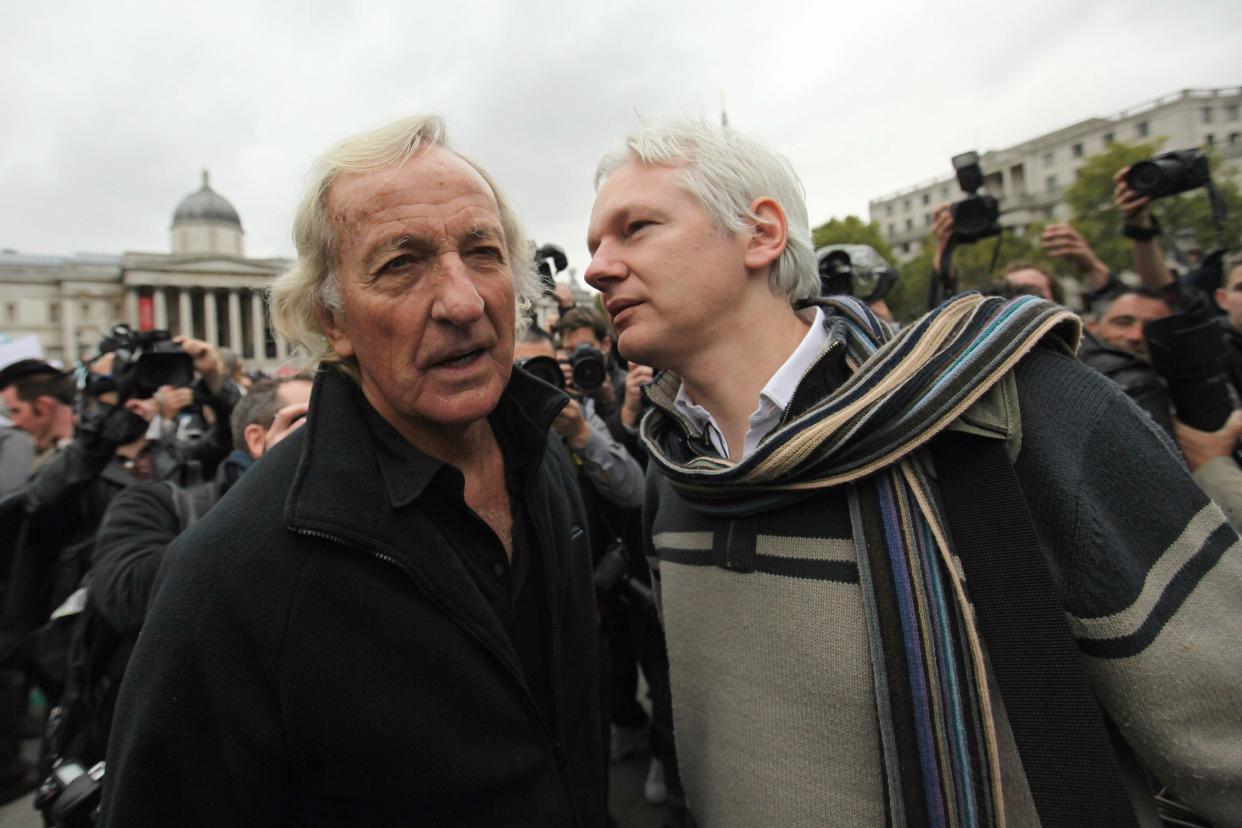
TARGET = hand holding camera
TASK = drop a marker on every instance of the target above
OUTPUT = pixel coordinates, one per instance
(635, 378)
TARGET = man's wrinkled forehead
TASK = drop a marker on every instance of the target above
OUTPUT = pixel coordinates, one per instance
(425, 178)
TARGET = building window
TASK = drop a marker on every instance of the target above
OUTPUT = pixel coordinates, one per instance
(927, 219)
(10, 311)
(1142, 128)
(1050, 212)
(1207, 114)
(926, 199)
(944, 192)
(905, 248)
(53, 312)
(1052, 183)
(1231, 112)
(1233, 139)
(1211, 140)
(909, 224)
(1049, 157)
(892, 230)
(888, 209)
(906, 205)
(86, 310)
(1109, 138)
(1077, 150)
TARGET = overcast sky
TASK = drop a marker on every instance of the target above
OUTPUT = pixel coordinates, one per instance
(109, 110)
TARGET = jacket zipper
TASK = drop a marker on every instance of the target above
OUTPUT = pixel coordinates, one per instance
(557, 750)
(832, 346)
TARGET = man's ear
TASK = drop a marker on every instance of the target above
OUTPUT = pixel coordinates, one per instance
(769, 233)
(254, 434)
(1219, 296)
(606, 345)
(329, 324)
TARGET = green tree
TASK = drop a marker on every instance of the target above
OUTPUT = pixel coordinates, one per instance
(973, 262)
(851, 230)
(1090, 198)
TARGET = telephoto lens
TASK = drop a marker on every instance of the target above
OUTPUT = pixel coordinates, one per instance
(588, 368)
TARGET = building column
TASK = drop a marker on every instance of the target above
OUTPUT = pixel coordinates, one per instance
(186, 312)
(258, 330)
(211, 331)
(235, 326)
(69, 330)
(161, 307)
(131, 307)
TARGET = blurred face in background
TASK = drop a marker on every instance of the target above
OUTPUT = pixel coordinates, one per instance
(1229, 297)
(1121, 325)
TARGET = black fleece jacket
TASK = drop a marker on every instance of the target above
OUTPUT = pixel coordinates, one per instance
(315, 654)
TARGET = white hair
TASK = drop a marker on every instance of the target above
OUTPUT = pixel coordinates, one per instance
(726, 171)
(311, 286)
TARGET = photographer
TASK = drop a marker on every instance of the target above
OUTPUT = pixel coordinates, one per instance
(583, 332)
(139, 525)
(1060, 241)
(52, 527)
(612, 472)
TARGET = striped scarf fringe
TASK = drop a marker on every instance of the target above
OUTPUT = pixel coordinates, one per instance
(938, 738)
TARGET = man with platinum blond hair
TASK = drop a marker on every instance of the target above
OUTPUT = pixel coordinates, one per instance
(390, 619)
(946, 577)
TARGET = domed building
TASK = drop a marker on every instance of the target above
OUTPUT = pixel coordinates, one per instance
(205, 222)
(205, 287)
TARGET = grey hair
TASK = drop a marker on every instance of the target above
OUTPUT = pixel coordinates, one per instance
(726, 171)
(299, 295)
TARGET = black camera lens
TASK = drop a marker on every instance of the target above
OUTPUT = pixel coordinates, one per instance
(975, 217)
(588, 368)
(1169, 173)
(1144, 177)
(544, 368)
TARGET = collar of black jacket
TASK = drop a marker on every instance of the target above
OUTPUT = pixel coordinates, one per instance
(343, 448)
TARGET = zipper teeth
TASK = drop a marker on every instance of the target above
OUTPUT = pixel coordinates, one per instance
(832, 346)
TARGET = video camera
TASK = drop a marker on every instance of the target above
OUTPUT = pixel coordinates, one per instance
(854, 270)
(976, 217)
(144, 361)
(1170, 173)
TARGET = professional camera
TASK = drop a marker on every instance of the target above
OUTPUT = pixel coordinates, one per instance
(70, 796)
(975, 217)
(588, 367)
(544, 368)
(144, 361)
(1188, 351)
(854, 270)
(1170, 173)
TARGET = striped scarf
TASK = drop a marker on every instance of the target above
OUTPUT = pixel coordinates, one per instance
(938, 738)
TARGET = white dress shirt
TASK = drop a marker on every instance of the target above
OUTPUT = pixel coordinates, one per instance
(773, 399)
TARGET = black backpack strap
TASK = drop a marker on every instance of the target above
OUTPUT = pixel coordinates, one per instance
(1056, 720)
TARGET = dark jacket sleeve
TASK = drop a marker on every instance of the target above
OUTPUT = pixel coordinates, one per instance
(1148, 568)
(199, 737)
(211, 449)
(139, 525)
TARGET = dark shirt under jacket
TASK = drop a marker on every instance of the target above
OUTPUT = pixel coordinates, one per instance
(512, 588)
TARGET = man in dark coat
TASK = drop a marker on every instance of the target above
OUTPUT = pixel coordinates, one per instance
(389, 620)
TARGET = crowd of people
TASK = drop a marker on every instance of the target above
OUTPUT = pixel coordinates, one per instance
(978, 569)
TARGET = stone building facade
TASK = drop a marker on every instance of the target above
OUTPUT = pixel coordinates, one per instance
(206, 288)
(1030, 178)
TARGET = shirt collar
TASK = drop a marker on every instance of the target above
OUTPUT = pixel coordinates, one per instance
(517, 421)
(773, 398)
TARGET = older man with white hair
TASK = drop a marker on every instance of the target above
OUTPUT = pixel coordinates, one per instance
(390, 619)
